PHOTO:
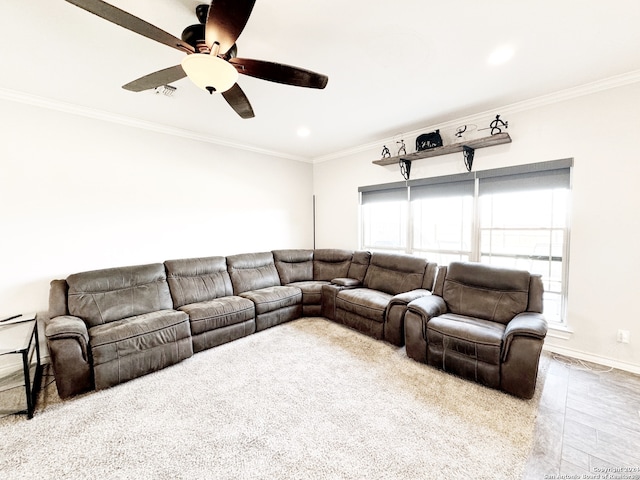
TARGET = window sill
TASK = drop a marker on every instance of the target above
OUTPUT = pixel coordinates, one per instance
(560, 331)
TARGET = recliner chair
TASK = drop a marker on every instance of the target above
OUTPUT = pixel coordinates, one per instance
(482, 323)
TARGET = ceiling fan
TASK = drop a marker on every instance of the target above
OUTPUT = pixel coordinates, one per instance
(211, 61)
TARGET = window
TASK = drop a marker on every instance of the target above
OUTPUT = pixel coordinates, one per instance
(514, 217)
(524, 224)
(384, 219)
(442, 219)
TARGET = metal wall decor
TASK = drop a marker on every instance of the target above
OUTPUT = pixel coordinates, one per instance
(496, 126)
(464, 130)
(428, 140)
(402, 150)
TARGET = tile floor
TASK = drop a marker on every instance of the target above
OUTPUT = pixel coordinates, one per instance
(589, 421)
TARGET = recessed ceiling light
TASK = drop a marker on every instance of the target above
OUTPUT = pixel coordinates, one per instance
(303, 132)
(501, 55)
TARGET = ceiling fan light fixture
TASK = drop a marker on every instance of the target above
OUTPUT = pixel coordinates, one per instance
(209, 72)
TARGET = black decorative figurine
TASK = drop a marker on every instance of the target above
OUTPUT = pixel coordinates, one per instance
(496, 124)
(402, 150)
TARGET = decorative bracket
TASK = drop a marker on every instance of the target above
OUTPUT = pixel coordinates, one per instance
(468, 153)
(405, 167)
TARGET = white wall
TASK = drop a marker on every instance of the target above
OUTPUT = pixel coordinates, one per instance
(79, 194)
(600, 131)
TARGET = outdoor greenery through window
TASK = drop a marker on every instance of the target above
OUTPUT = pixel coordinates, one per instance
(514, 217)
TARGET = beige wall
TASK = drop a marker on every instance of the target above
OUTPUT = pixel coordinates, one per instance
(78, 194)
(600, 131)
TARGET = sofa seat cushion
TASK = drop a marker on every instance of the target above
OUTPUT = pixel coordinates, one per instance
(274, 298)
(311, 291)
(365, 302)
(218, 313)
(470, 337)
(135, 334)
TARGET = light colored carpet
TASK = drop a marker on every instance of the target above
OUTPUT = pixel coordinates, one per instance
(310, 399)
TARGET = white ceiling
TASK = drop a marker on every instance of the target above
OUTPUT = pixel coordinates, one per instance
(392, 66)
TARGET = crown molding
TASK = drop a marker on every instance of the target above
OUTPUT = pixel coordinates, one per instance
(537, 102)
(41, 102)
(523, 106)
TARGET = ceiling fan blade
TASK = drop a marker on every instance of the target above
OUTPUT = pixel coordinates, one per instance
(238, 101)
(131, 22)
(155, 79)
(277, 72)
(225, 22)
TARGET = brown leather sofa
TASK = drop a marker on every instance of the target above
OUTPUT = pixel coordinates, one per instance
(254, 276)
(377, 308)
(310, 270)
(108, 326)
(482, 323)
(201, 287)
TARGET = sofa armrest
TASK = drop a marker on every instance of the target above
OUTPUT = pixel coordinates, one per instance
(416, 318)
(68, 343)
(347, 282)
(527, 324)
(428, 306)
(66, 326)
(406, 298)
(395, 312)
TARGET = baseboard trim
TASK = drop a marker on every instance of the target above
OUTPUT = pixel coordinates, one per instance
(589, 357)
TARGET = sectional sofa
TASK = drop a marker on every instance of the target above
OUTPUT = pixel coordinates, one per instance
(109, 326)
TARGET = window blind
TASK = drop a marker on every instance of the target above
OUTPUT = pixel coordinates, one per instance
(389, 192)
(445, 186)
(537, 176)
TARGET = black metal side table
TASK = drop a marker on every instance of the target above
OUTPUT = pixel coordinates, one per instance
(19, 336)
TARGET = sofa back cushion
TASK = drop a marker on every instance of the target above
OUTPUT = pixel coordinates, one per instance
(536, 292)
(294, 265)
(330, 263)
(103, 296)
(252, 271)
(429, 276)
(194, 280)
(485, 292)
(359, 265)
(395, 273)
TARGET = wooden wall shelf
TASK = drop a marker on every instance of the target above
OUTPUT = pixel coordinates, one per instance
(497, 139)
